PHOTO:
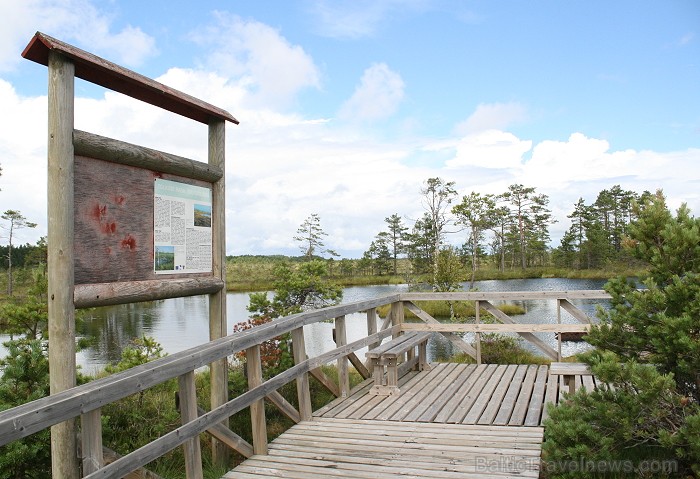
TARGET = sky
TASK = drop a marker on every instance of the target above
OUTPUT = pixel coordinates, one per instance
(346, 107)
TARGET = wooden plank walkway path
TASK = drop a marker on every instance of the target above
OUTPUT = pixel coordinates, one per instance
(454, 420)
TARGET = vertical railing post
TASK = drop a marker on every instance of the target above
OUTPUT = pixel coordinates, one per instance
(257, 408)
(371, 329)
(397, 316)
(477, 319)
(303, 392)
(559, 333)
(91, 433)
(217, 301)
(61, 273)
(188, 413)
(341, 340)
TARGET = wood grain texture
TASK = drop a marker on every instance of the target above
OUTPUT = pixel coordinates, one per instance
(105, 294)
(110, 75)
(61, 254)
(116, 151)
(114, 222)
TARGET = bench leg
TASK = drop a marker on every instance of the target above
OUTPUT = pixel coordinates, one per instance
(391, 388)
(423, 364)
(570, 380)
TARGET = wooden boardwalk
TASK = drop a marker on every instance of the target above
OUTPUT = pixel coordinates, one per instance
(455, 420)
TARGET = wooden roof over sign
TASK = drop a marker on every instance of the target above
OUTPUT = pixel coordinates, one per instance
(102, 72)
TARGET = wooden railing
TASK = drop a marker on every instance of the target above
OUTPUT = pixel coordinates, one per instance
(85, 401)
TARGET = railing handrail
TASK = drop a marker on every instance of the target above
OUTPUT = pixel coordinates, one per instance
(35, 416)
(505, 295)
(38, 415)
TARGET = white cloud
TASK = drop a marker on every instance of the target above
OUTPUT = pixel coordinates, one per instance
(358, 18)
(490, 149)
(378, 95)
(76, 21)
(492, 116)
(259, 58)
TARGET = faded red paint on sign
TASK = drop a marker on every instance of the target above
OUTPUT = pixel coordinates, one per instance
(129, 242)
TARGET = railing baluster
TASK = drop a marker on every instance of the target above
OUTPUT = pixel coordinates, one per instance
(257, 408)
(188, 412)
(477, 309)
(341, 340)
(303, 392)
(91, 432)
(559, 333)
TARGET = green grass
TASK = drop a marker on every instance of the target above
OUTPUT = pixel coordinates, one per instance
(500, 349)
(462, 309)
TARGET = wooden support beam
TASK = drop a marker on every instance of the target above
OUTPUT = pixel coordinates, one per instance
(188, 413)
(303, 390)
(579, 315)
(123, 153)
(283, 405)
(457, 341)
(359, 365)
(106, 294)
(500, 315)
(257, 408)
(228, 437)
(61, 273)
(477, 320)
(498, 328)
(217, 300)
(91, 432)
(340, 341)
(325, 381)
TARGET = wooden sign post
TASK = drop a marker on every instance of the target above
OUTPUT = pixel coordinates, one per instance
(125, 223)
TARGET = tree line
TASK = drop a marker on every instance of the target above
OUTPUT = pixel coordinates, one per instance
(501, 231)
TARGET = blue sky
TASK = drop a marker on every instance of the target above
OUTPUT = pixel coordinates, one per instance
(347, 107)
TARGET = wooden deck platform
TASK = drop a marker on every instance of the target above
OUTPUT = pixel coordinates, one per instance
(454, 420)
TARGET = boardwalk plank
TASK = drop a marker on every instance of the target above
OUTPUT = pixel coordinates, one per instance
(484, 396)
(521, 405)
(505, 409)
(493, 406)
(534, 410)
(551, 395)
(472, 394)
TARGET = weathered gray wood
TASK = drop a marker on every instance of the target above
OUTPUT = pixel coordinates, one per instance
(569, 369)
(523, 401)
(32, 417)
(257, 407)
(303, 391)
(340, 341)
(113, 224)
(477, 320)
(110, 75)
(457, 341)
(188, 412)
(105, 294)
(498, 314)
(284, 406)
(217, 300)
(92, 449)
(371, 329)
(507, 295)
(115, 151)
(61, 312)
(397, 315)
(496, 328)
(228, 437)
(175, 438)
(558, 335)
(574, 311)
(534, 410)
(359, 366)
(325, 381)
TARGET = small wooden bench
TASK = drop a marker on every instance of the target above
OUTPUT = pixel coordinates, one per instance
(569, 371)
(388, 354)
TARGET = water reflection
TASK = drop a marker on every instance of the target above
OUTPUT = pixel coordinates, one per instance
(181, 323)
